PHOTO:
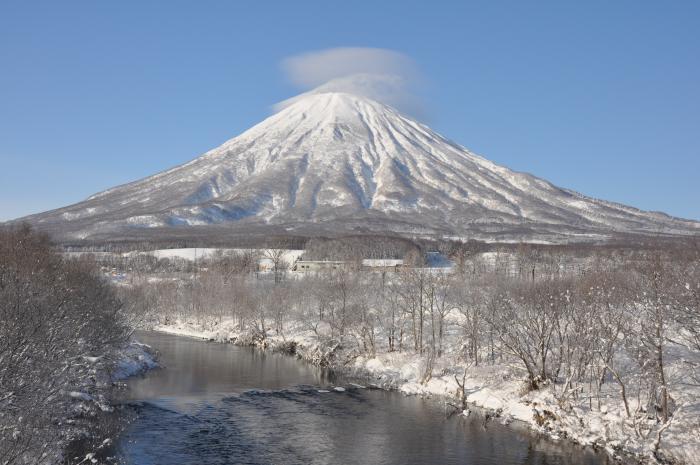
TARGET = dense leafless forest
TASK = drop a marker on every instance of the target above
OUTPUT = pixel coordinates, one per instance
(60, 325)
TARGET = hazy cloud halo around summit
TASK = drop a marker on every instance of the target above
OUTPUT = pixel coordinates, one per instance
(384, 75)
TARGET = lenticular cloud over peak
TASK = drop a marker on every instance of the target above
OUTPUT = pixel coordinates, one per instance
(312, 69)
(387, 76)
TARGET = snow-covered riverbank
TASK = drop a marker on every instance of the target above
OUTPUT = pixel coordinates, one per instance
(497, 388)
(89, 434)
(134, 359)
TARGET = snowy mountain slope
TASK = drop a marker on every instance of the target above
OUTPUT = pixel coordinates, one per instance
(334, 161)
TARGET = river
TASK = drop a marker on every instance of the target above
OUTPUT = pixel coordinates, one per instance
(222, 404)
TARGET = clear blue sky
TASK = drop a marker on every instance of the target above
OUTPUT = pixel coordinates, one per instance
(599, 96)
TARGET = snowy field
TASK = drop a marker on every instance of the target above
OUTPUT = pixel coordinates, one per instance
(190, 253)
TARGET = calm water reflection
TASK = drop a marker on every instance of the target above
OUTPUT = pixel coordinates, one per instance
(220, 404)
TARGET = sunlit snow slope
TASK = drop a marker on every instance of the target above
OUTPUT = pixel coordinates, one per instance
(339, 163)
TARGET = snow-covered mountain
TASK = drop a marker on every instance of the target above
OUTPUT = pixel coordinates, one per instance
(333, 162)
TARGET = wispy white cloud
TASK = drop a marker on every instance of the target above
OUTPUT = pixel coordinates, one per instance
(380, 74)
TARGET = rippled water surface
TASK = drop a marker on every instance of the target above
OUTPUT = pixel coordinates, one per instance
(221, 404)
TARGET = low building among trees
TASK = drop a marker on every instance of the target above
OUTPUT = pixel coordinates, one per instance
(318, 265)
(382, 264)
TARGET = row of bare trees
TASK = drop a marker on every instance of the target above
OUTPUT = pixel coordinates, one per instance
(609, 328)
